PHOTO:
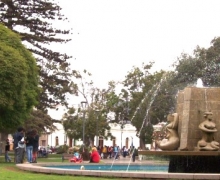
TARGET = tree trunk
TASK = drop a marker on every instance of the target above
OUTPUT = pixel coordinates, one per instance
(142, 145)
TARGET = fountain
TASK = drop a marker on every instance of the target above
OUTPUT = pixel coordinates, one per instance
(198, 130)
(193, 150)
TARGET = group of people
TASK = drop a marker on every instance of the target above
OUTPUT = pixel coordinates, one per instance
(114, 151)
(29, 142)
(96, 153)
(109, 151)
(26, 142)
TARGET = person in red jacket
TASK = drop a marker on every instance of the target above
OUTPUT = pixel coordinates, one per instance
(94, 157)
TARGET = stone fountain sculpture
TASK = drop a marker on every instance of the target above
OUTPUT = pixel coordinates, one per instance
(192, 107)
(171, 142)
(197, 129)
(208, 128)
(207, 142)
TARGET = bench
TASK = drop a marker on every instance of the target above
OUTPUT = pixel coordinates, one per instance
(66, 156)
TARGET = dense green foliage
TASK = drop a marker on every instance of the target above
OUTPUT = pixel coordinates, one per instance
(204, 64)
(38, 24)
(34, 21)
(18, 80)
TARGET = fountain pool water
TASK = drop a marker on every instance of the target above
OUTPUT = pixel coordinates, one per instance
(117, 167)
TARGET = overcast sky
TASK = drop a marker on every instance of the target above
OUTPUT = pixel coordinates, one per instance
(111, 36)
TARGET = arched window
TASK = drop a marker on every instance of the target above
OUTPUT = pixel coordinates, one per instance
(126, 142)
(101, 141)
(113, 142)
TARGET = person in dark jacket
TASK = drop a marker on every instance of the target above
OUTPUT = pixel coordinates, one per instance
(134, 153)
(7, 149)
(19, 145)
(29, 139)
(35, 145)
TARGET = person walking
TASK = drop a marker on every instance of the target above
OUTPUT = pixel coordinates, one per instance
(134, 153)
(110, 150)
(115, 151)
(19, 145)
(29, 139)
(35, 145)
(7, 149)
(125, 151)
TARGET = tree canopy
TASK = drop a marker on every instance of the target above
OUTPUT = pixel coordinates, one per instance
(34, 21)
(18, 80)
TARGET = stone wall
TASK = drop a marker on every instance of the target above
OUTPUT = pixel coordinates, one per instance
(192, 102)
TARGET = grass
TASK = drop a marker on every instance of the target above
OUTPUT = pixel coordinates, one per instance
(10, 171)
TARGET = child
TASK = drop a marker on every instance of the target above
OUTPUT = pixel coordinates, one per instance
(76, 155)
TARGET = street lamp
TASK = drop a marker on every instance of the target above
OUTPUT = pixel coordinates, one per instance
(96, 133)
(122, 126)
(132, 142)
(83, 104)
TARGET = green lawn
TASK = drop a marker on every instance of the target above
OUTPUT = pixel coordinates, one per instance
(10, 171)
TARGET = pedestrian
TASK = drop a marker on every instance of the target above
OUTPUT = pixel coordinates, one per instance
(19, 145)
(125, 151)
(7, 149)
(29, 139)
(110, 150)
(35, 145)
(134, 153)
(115, 151)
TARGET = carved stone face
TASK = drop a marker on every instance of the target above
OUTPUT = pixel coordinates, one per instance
(169, 118)
(209, 116)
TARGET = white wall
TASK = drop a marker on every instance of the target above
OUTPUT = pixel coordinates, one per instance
(120, 135)
(128, 131)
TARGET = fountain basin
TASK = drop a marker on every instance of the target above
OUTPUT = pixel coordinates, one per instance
(40, 168)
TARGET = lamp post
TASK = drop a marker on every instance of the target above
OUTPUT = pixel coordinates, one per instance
(132, 142)
(83, 104)
(96, 133)
(122, 126)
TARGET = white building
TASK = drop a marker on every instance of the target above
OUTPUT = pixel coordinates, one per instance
(123, 137)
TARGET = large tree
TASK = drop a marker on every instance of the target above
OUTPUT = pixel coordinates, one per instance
(99, 103)
(35, 21)
(204, 64)
(18, 81)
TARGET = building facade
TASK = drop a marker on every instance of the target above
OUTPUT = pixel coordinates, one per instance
(123, 137)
